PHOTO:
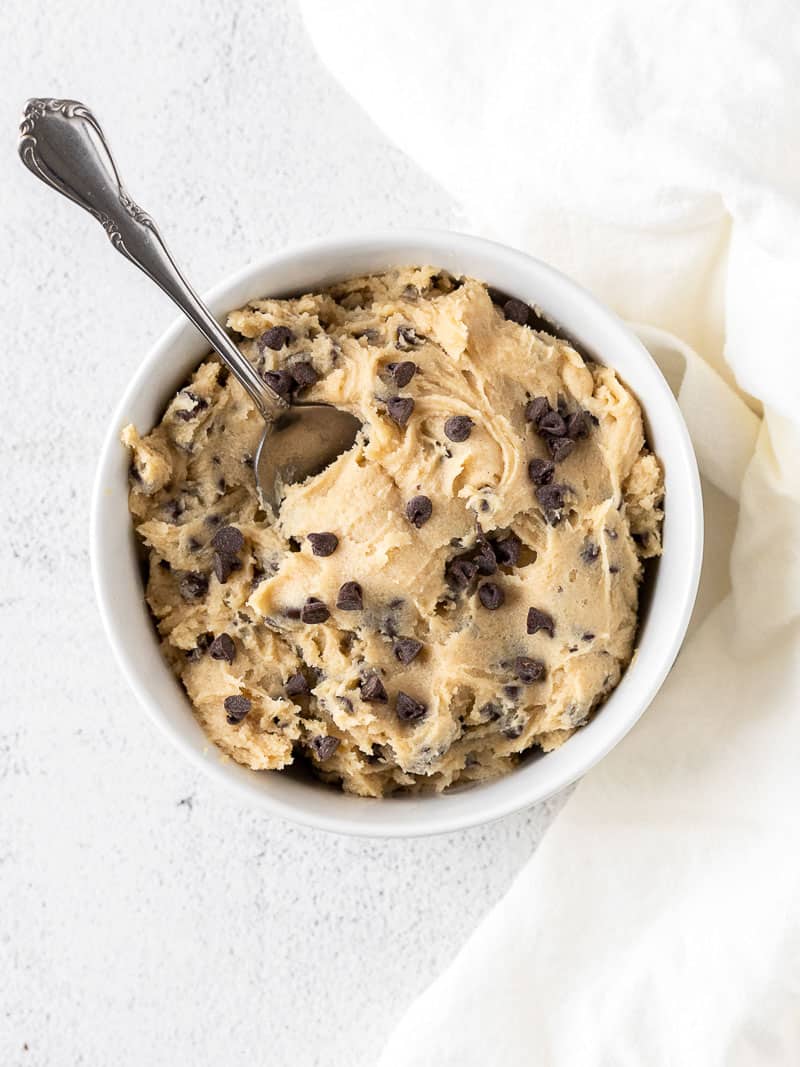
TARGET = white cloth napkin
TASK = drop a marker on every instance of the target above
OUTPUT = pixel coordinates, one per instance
(652, 151)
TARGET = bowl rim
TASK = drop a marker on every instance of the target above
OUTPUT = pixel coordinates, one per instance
(422, 815)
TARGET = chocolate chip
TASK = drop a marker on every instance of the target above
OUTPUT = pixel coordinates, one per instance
(507, 550)
(528, 670)
(516, 311)
(296, 685)
(460, 572)
(613, 569)
(406, 649)
(203, 644)
(399, 409)
(373, 690)
(560, 448)
(536, 409)
(577, 425)
(491, 595)
(540, 620)
(314, 611)
(304, 374)
(551, 499)
(198, 404)
(280, 382)
(192, 585)
(408, 709)
(237, 708)
(350, 597)
(418, 510)
(489, 712)
(552, 424)
(276, 337)
(402, 373)
(224, 566)
(172, 509)
(541, 471)
(513, 732)
(407, 338)
(323, 544)
(589, 636)
(590, 551)
(458, 427)
(485, 559)
(324, 747)
(222, 647)
(228, 540)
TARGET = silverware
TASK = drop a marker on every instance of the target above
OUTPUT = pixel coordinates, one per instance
(62, 144)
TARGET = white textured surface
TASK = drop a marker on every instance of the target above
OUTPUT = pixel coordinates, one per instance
(145, 916)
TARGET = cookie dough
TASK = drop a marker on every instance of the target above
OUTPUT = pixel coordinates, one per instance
(458, 589)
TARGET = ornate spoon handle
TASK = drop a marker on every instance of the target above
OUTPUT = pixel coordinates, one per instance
(62, 143)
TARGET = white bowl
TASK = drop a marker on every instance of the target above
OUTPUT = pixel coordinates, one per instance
(669, 599)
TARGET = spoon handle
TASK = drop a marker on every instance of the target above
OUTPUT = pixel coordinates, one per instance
(62, 144)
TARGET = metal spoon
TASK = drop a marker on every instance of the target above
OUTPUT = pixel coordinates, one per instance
(61, 142)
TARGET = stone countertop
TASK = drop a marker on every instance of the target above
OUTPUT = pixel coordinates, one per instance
(148, 917)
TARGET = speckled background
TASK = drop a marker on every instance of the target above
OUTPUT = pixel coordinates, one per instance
(146, 917)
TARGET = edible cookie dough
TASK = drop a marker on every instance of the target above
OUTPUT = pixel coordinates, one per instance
(457, 589)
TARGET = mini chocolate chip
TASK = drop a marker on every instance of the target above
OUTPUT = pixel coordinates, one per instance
(590, 551)
(296, 685)
(528, 670)
(589, 636)
(552, 424)
(541, 471)
(223, 647)
(172, 509)
(485, 559)
(204, 642)
(418, 510)
(314, 611)
(323, 544)
(407, 338)
(350, 597)
(577, 425)
(540, 620)
(560, 448)
(199, 404)
(373, 690)
(489, 712)
(324, 747)
(516, 311)
(399, 409)
(613, 569)
(406, 649)
(280, 382)
(276, 337)
(507, 550)
(304, 374)
(224, 566)
(536, 409)
(513, 732)
(237, 708)
(551, 499)
(491, 595)
(460, 572)
(458, 427)
(408, 709)
(402, 373)
(192, 585)
(228, 540)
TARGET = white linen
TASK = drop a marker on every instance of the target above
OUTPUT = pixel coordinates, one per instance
(652, 151)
